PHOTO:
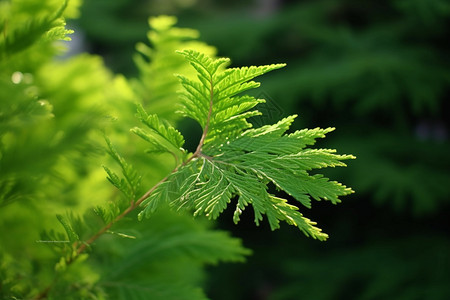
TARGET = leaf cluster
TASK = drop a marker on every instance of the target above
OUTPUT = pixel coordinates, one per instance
(173, 247)
(233, 161)
(45, 154)
(25, 30)
(156, 86)
(382, 67)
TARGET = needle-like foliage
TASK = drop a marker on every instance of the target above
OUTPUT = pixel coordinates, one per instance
(235, 163)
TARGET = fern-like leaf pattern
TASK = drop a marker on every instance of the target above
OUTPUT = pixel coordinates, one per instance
(234, 162)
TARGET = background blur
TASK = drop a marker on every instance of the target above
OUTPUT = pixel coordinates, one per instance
(379, 72)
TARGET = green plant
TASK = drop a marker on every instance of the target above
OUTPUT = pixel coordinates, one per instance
(383, 67)
(382, 71)
(52, 119)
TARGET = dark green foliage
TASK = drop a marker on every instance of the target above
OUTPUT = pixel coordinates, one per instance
(173, 248)
(379, 72)
(382, 67)
(418, 274)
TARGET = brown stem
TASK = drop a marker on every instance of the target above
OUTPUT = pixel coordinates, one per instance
(132, 206)
(80, 249)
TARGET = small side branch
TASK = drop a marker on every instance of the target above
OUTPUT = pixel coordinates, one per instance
(82, 247)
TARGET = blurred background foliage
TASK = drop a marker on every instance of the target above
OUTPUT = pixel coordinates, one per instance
(378, 71)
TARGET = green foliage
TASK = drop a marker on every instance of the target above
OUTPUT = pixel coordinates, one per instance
(340, 55)
(157, 258)
(50, 115)
(214, 102)
(29, 27)
(173, 247)
(418, 274)
(162, 137)
(381, 68)
(30, 118)
(52, 119)
(130, 184)
(234, 161)
(156, 84)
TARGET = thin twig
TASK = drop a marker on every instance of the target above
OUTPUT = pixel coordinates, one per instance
(82, 247)
(132, 206)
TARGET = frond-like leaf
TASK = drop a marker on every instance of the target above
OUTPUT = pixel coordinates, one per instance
(19, 36)
(71, 234)
(168, 250)
(130, 184)
(161, 136)
(214, 100)
(233, 161)
(157, 87)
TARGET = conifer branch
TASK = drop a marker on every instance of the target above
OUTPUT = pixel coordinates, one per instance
(249, 160)
(82, 247)
(129, 209)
